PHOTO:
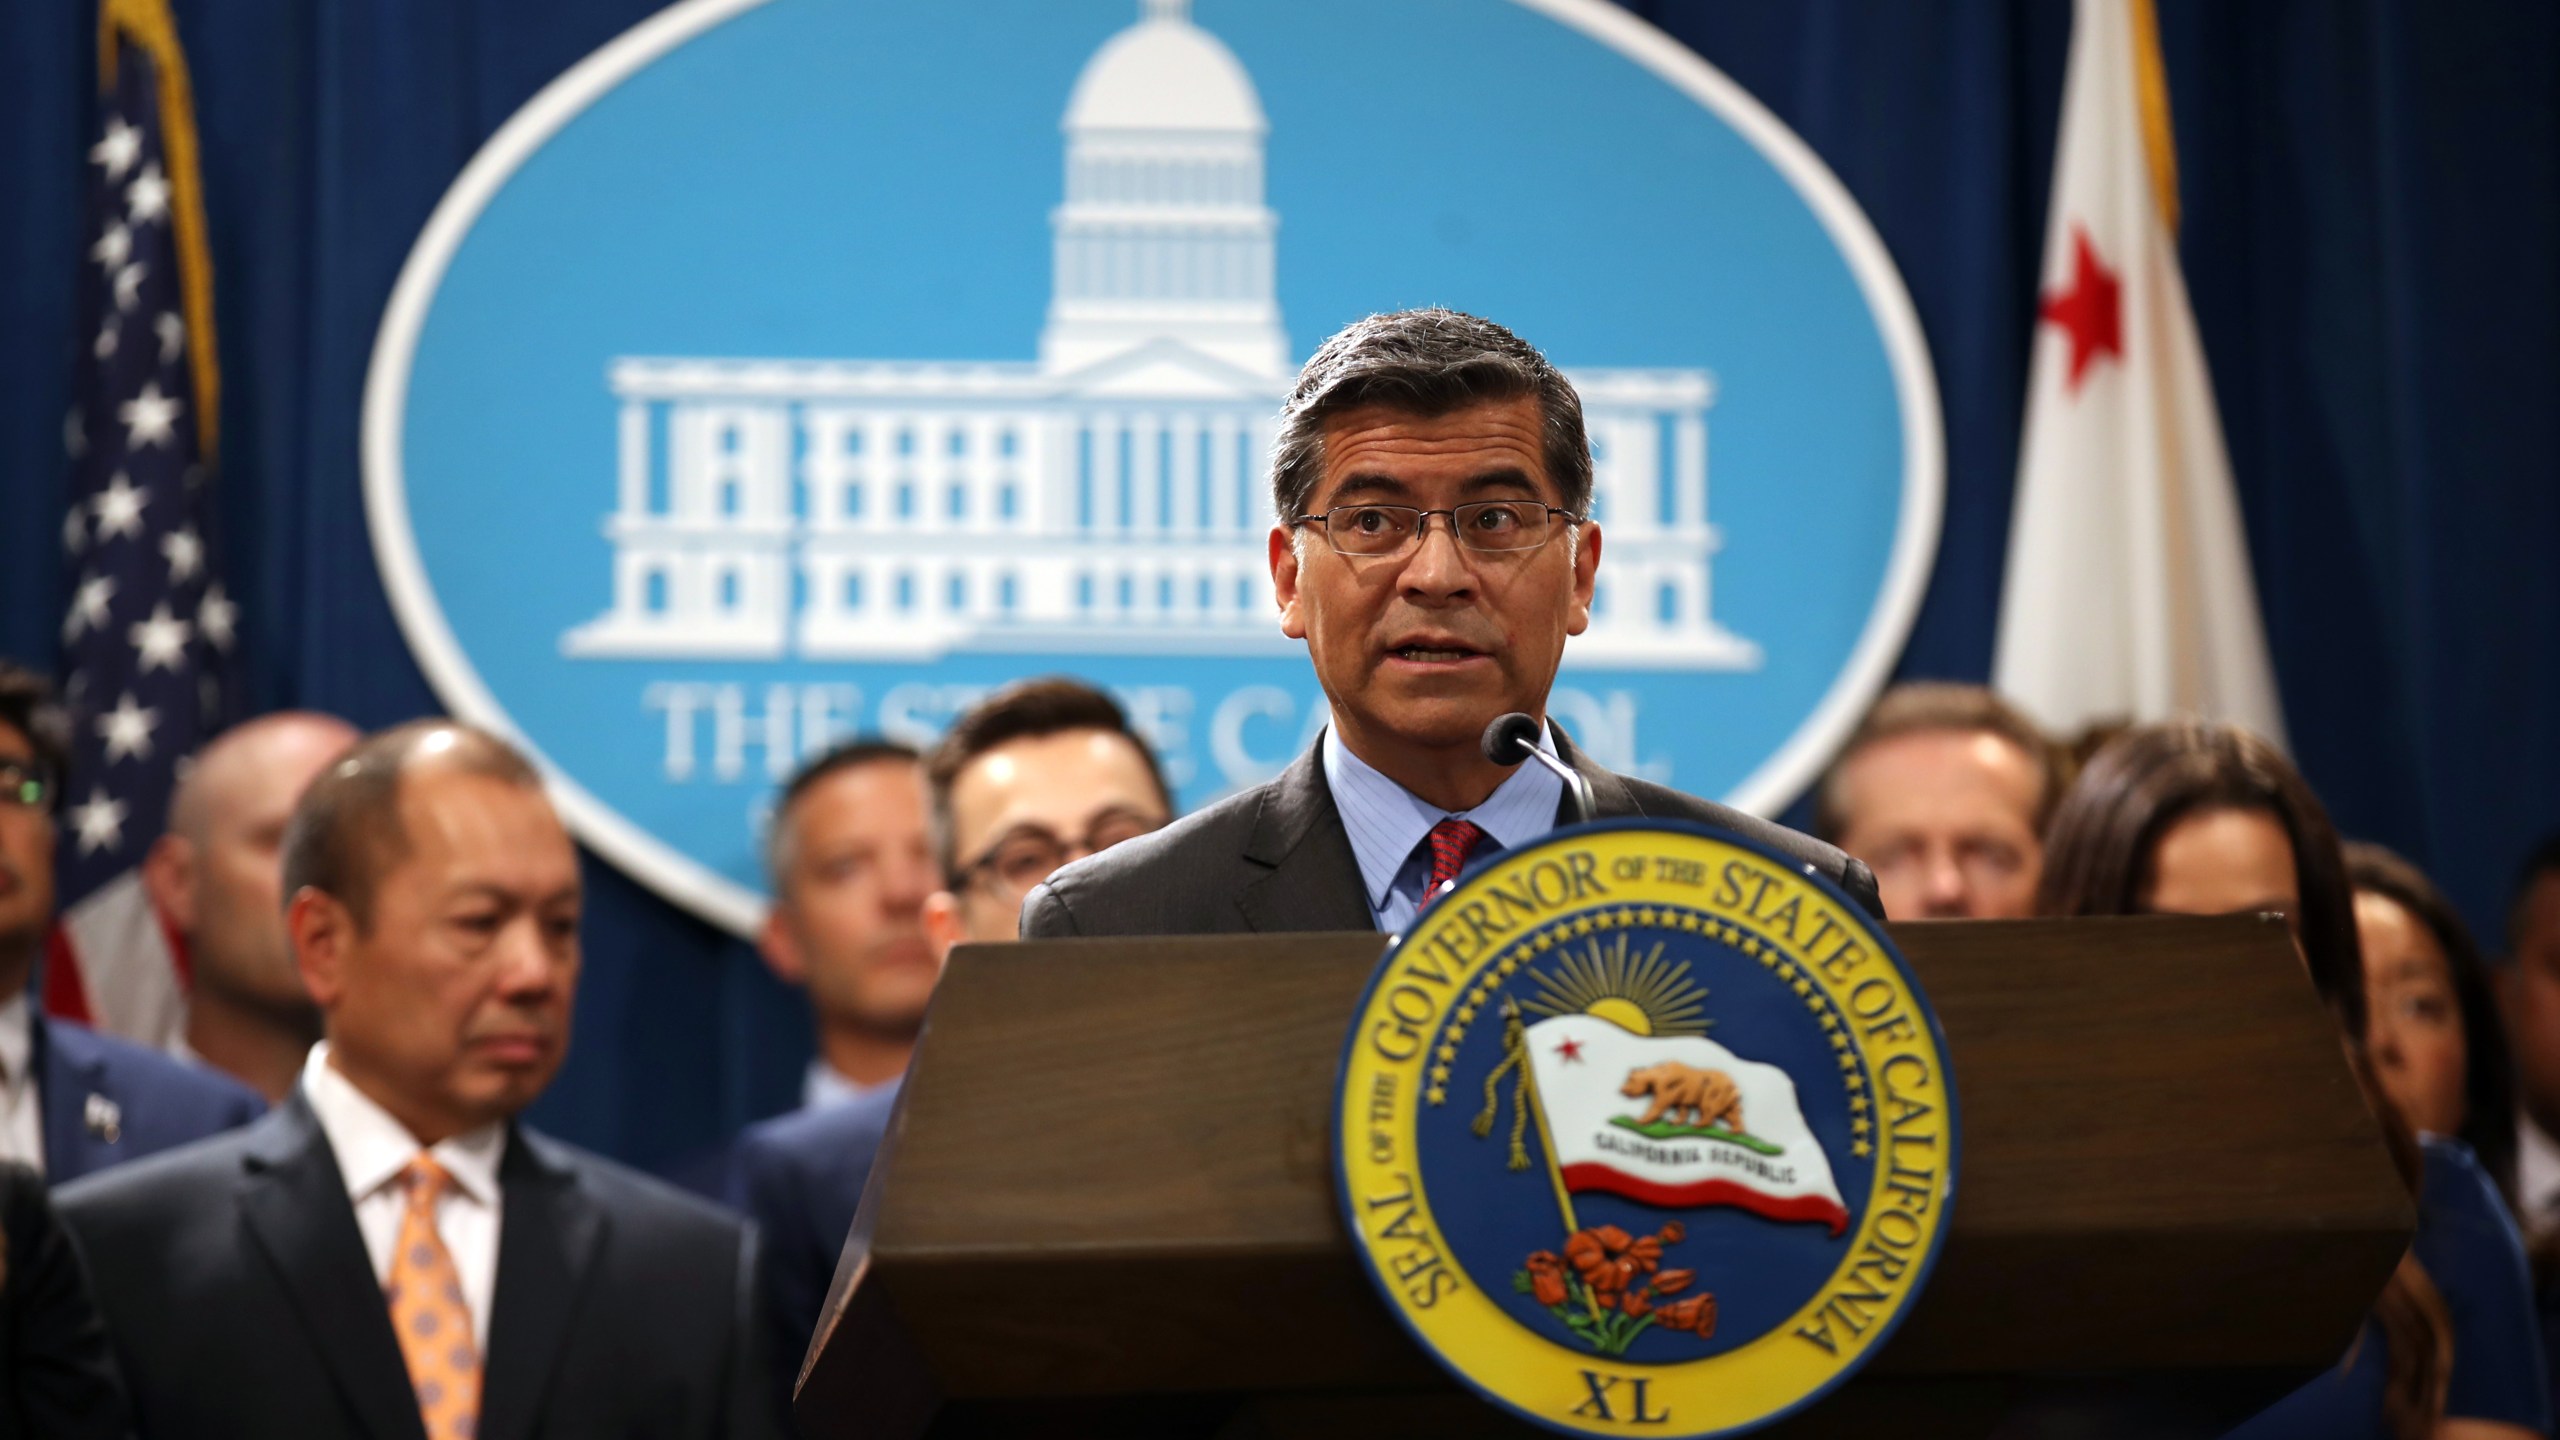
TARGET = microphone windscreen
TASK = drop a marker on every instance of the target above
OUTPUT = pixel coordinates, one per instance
(1510, 739)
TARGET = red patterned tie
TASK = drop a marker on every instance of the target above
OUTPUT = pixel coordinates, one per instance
(1452, 841)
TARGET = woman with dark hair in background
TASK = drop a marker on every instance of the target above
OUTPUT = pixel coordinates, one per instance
(2188, 818)
(2432, 1024)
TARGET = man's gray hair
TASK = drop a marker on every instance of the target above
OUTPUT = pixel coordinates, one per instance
(1427, 363)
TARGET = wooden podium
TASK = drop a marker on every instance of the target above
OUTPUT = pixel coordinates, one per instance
(1106, 1206)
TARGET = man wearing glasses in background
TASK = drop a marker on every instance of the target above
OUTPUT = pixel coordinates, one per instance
(1041, 773)
(72, 1102)
(1435, 550)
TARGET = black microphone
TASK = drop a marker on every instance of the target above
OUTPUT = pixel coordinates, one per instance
(1513, 738)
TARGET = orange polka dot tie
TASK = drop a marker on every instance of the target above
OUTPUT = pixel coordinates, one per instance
(429, 1314)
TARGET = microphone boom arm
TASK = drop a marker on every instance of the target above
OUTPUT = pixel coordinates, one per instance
(1513, 738)
(1585, 806)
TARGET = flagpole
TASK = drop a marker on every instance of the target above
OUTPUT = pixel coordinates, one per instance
(2151, 91)
(150, 26)
(1546, 1141)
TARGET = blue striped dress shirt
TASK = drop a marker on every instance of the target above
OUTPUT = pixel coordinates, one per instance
(1388, 824)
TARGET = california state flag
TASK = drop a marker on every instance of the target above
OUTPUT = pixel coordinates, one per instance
(2128, 592)
(1677, 1121)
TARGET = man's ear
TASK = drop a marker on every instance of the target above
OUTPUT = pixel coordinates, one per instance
(1586, 575)
(781, 948)
(323, 932)
(169, 878)
(1284, 581)
(945, 924)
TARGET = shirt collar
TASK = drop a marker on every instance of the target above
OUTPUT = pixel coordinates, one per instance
(17, 1039)
(1385, 820)
(373, 1147)
(825, 1085)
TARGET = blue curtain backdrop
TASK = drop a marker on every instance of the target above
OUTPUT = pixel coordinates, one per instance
(2372, 238)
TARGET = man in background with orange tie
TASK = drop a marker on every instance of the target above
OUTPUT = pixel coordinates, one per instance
(389, 1253)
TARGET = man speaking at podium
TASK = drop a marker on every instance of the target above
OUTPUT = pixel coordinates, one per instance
(1434, 551)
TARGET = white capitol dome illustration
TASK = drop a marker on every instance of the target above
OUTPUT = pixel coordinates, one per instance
(1110, 496)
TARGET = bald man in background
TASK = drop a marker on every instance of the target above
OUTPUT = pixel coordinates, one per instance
(216, 878)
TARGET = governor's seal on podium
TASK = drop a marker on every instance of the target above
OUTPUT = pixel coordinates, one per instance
(1645, 1129)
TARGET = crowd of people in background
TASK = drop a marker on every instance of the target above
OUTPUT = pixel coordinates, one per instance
(1964, 809)
(1038, 775)
(383, 932)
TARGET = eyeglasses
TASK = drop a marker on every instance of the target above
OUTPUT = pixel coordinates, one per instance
(25, 785)
(1495, 527)
(1029, 854)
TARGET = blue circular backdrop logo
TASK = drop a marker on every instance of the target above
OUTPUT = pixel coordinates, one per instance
(796, 368)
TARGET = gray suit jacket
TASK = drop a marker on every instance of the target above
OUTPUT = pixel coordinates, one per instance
(240, 1301)
(1276, 859)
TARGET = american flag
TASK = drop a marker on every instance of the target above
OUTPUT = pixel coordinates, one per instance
(147, 627)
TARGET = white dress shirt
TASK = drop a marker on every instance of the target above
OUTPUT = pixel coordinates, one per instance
(21, 1109)
(2537, 1179)
(373, 1148)
(1387, 823)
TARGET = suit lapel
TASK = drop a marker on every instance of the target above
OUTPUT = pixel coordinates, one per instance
(1610, 797)
(64, 1084)
(547, 1243)
(1314, 880)
(295, 1205)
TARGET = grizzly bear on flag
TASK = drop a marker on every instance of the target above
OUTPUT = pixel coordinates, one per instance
(1705, 1096)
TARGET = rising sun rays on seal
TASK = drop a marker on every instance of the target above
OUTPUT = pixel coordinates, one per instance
(1646, 995)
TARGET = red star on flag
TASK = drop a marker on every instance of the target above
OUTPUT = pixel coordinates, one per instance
(1571, 1049)
(2092, 312)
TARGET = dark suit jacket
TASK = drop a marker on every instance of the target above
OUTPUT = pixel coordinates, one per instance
(799, 1177)
(106, 1101)
(57, 1377)
(237, 1288)
(1276, 858)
